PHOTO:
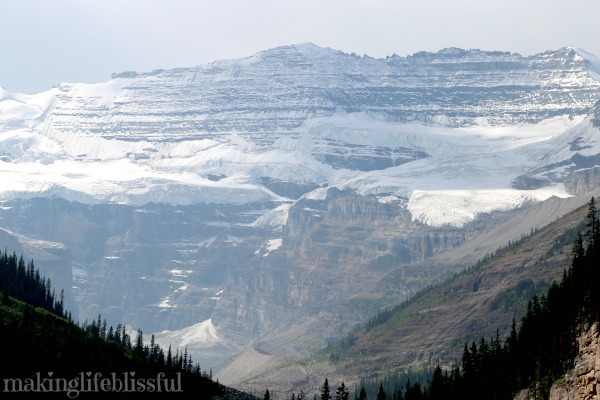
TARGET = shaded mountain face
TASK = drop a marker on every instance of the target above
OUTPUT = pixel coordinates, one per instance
(432, 327)
(271, 194)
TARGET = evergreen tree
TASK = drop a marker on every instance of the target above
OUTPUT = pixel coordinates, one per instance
(592, 223)
(437, 388)
(414, 392)
(381, 395)
(342, 392)
(363, 394)
(325, 391)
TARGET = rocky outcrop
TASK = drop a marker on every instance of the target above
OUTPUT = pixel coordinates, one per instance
(582, 182)
(375, 234)
(328, 272)
(583, 381)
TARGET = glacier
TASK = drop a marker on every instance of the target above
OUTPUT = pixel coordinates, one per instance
(100, 170)
(166, 155)
(220, 203)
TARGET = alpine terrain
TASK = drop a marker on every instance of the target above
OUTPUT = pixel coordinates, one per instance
(267, 205)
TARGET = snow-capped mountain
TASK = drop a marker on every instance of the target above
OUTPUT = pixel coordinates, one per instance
(304, 114)
(226, 191)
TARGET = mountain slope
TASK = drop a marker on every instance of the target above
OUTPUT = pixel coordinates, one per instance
(259, 193)
(432, 327)
(88, 358)
(297, 113)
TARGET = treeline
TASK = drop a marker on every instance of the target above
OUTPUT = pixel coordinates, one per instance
(25, 283)
(408, 391)
(152, 352)
(40, 339)
(335, 345)
(544, 347)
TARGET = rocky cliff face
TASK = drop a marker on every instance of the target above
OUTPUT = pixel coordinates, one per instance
(295, 82)
(277, 191)
(154, 266)
(583, 382)
(585, 181)
(335, 251)
(167, 267)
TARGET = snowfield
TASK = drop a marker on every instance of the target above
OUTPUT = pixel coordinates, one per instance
(203, 135)
(468, 171)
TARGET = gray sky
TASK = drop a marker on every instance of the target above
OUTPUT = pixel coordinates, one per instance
(45, 42)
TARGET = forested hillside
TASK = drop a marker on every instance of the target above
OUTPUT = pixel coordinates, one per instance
(544, 346)
(45, 351)
(55, 351)
(540, 349)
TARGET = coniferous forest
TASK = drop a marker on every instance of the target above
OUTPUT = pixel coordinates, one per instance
(42, 342)
(45, 351)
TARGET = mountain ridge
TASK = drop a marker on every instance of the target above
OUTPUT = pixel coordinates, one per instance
(257, 193)
(115, 106)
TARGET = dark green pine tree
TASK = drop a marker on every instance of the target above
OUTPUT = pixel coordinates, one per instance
(593, 237)
(593, 229)
(325, 391)
(363, 394)
(267, 395)
(413, 392)
(381, 395)
(342, 392)
(437, 387)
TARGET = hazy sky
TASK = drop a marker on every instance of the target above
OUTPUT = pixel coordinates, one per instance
(45, 42)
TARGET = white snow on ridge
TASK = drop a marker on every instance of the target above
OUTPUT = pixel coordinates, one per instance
(274, 218)
(463, 160)
(203, 334)
(103, 94)
(458, 207)
(593, 63)
(469, 169)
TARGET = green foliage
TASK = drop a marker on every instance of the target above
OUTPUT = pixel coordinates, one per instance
(567, 238)
(395, 385)
(544, 347)
(381, 395)
(515, 299)
(32, 318)
(342, 392)
(25, 283)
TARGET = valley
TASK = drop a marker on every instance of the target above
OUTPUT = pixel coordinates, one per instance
(257, 210)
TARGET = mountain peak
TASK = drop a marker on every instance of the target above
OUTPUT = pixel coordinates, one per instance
(307, 49)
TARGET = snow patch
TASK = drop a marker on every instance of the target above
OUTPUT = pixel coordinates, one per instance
(166, 303)
(458, 207)
(201, 334)
(275, 218)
